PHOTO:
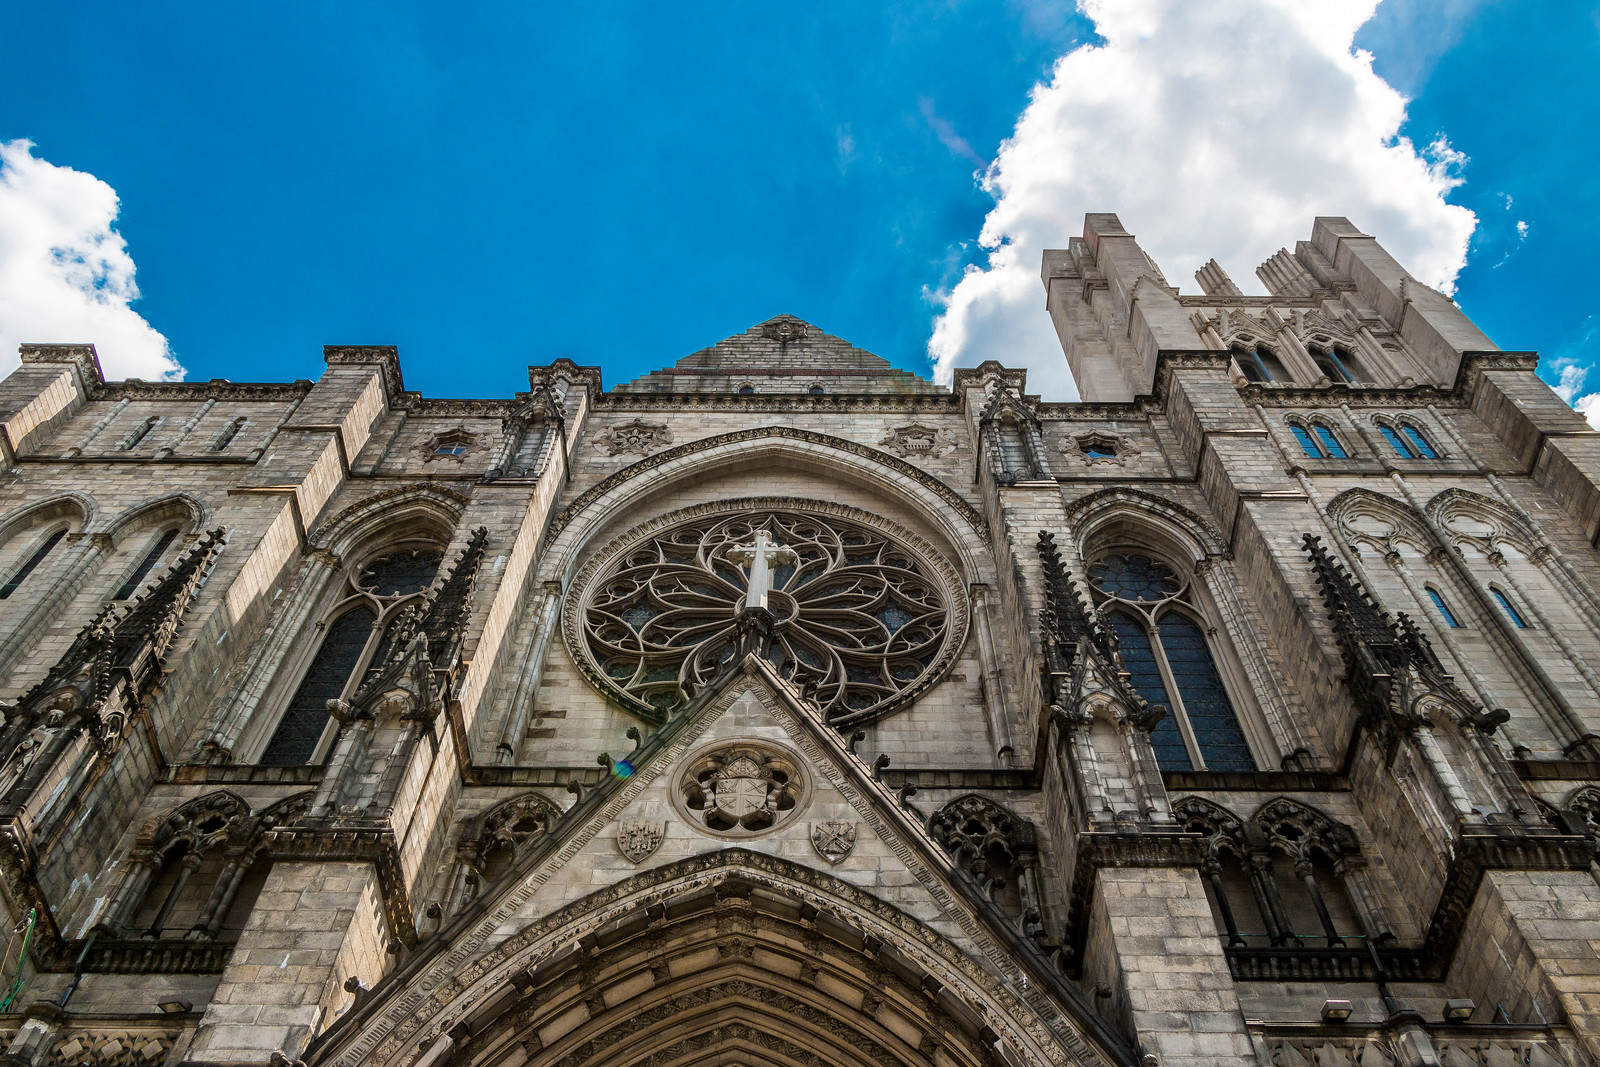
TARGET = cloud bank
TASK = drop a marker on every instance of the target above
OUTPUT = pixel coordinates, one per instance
(65, 273)
(1215, 128)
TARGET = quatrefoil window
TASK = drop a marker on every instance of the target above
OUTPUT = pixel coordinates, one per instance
(862, 622)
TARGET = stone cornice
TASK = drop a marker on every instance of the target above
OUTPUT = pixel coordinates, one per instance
(199, 391)
(788, 402)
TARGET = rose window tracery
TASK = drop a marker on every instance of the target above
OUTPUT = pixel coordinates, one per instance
(861, 621)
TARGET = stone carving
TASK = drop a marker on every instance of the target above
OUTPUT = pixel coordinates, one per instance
(833, 838)
(741, 789)
(637, 839)
(1100, 446)
(638, 438)
(449, 445)
(783, 330)
(919, 442)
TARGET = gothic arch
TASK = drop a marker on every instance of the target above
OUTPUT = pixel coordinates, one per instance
(1296, 829)
(733, 949)
(200, 822)
(410, 513)
(75, 509)
(1184, 535)
(187, 512)
(1221, 827)
(601, 506)
(491, 843)
(1454, 509)
(1377, 520)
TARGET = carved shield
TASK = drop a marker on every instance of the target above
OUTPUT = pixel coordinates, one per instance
(638, 838)
(833, 839)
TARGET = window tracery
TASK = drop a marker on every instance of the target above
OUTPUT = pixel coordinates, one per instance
(860, 618)
(994, 846)
(356, 633)
(1167, 654)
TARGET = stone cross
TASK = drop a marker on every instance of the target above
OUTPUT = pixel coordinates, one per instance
(762, 557)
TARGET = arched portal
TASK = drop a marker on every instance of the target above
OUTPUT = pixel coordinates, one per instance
(734, 957)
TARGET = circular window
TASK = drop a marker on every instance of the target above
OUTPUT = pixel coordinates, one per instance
(741, 789)
(864, 619)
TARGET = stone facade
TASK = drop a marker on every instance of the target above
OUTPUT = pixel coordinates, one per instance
(783, 707)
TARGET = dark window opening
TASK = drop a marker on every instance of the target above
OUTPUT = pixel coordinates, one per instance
(33, 561)
(146, 565)
(1444, 609)
(295, 740)
(1510, 609)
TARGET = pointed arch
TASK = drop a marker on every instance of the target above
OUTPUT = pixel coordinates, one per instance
(1376, 519)
(1222, 828)
(698, 942)
(426, 512)
(206, 819)
(75, 509)
(1186, 533)
(1470, 516)
(1296, 828)
(189, 513)
(602, 505)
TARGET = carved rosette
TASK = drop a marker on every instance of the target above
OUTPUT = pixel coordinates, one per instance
(741, 789)
(637, 438)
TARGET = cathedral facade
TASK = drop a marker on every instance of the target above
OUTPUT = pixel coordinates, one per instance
(780, 707)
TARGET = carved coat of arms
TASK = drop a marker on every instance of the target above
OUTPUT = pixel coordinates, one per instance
(638, 437)
(918, 442)
(637, 839)
(833, 838)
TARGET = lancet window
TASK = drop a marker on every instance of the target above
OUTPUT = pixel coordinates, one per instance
(1407, 441)
(1317, 440)
(355, 634)
(1166, 650)
(147, 563)
(28, 566)
(1259, 364)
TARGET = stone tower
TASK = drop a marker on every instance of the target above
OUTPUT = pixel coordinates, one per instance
(783, 707)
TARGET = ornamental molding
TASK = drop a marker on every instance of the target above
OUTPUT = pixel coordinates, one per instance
(452, 502)
(638, 438)
(1091, 506)
(956, 502)
(456, 437)
(601, 570)
(1081, 444)
(192, 392)
(917, 441)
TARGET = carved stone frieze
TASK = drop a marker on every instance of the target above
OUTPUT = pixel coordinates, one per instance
(918, 441)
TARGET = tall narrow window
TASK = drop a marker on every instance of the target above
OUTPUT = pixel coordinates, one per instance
(151, 558)
(1444, 609)
(1509, 608)
(1330, 443)
(295, 740)
(1169, 660)
(1307, 444)
(32, 562)
(1419, 443)
(1014, 450)
(1399, 446)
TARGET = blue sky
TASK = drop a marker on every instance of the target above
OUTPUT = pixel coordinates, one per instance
(488, 185)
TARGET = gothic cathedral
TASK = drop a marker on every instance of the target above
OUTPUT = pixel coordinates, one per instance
(783, 708)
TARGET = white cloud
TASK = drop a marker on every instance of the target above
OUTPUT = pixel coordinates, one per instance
(1572, 362)
(1212, 128)
(65, 273)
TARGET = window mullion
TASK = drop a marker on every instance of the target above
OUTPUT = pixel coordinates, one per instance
(1180, 717)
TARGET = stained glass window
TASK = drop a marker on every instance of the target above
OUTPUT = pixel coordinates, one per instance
(1307, 445)
(295, 740)
(1419, 443)
(1169, 661)
(1139, 660)
(1205, 701)
(1330, 443)
(1444, 609)
(146, 565)
(38, 557)
(1510, 610)
(1399, 446)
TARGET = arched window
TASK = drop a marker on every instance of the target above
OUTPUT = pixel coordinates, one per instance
(1444, 609)
(1308, 444)
(816, 390)
(1166, 651)
(1396, 443)
(357, 638)
(1510, 609)
(1258, 364)
(1330, 443)
(146, 565)
(31, 564)
(1419, 443)
(1336, 364)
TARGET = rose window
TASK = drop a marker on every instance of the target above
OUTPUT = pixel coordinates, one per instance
(862, 622)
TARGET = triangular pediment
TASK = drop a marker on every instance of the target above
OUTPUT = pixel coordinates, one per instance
(844, 862)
